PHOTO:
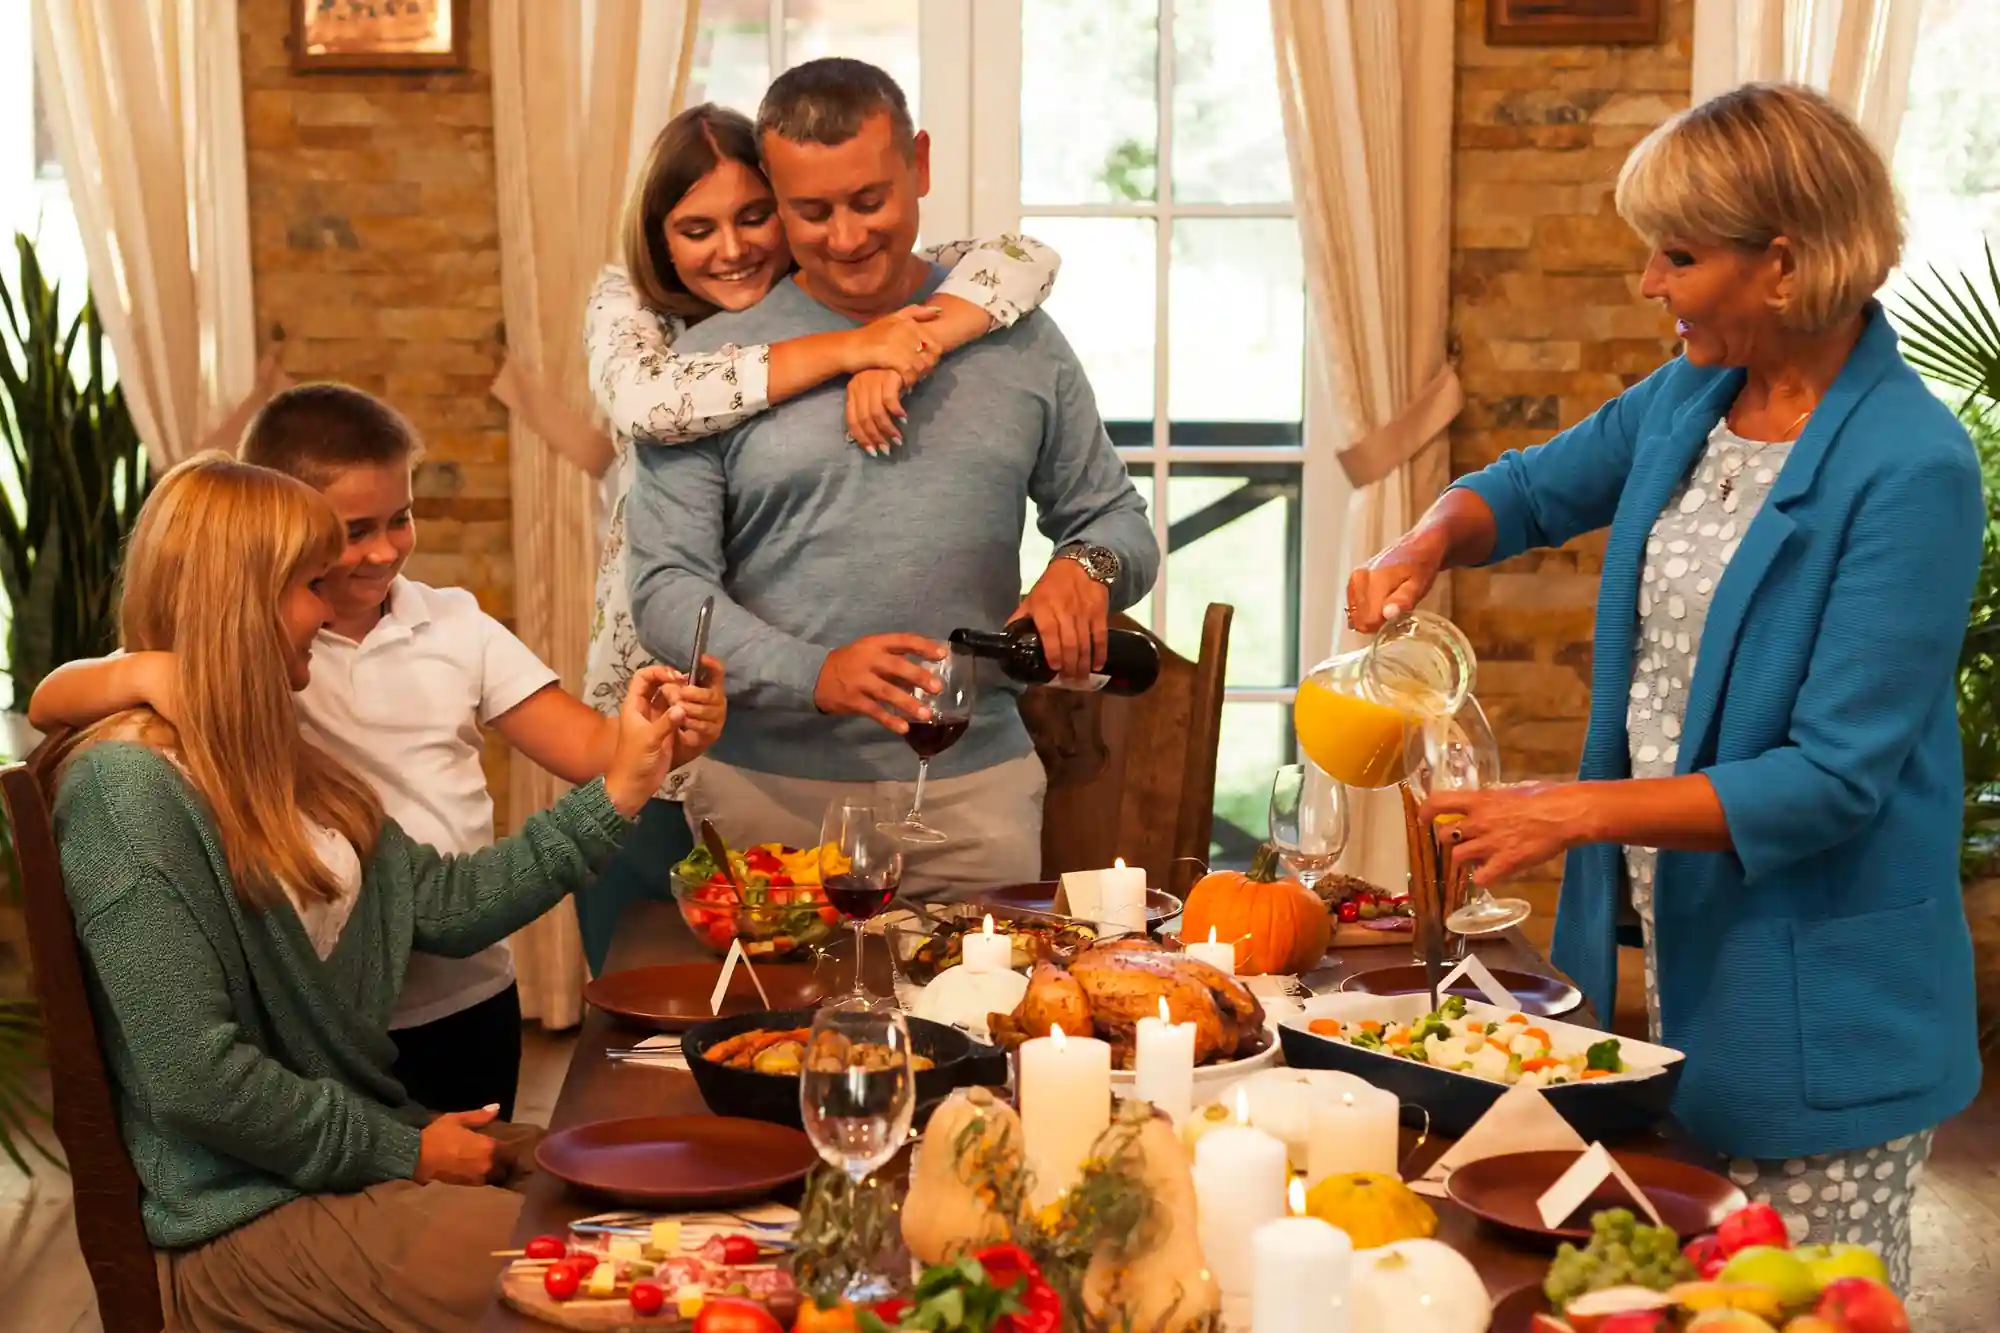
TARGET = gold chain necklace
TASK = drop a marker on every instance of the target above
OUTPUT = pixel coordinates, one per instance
(1730, 474)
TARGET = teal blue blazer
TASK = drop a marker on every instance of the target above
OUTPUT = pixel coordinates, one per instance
(1819, 976)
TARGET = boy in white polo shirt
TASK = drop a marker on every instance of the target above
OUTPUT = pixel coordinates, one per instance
(403, 678)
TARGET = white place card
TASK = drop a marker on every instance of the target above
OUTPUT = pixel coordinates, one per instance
(1520, 1121)
(1581, 1180)
(1482, 977)
(1081, 894)
(729, 962)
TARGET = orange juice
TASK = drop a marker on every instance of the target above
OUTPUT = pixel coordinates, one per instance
(1353, 740)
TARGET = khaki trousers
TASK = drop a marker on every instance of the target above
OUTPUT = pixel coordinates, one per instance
(993, 819)
(398, 1257)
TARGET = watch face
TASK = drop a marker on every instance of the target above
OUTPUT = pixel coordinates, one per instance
(1099, 563)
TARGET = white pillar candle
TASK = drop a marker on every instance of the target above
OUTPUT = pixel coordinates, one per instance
(1121, 899)
(1239, 1182)
(985, 951)
(1300, 1267)
(1065, 1106)
(1354, 1130)
(1214, 953)
(1164, 1070)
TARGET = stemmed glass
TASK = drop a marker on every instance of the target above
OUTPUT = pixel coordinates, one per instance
(859, 869)
(857, 1097)
(1309, 821)
(951, 714)
(1459, 753)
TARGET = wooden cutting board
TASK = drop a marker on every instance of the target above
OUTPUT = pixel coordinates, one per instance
(1352, 935)
(521, 1289)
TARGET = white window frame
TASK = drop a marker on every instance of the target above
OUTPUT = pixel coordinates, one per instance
(972, 110)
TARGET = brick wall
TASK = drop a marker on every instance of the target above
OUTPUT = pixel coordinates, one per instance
(1548, 323)
(376, 250)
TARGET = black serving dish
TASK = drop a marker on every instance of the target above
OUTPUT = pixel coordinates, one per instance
(1603, 1109)
(957, 1062)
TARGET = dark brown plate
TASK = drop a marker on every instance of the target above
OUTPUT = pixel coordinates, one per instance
(673, 997)
(1161, 906)
(1544, 997)
(1502, 1190)
(672, 1160)
(1515, 1312)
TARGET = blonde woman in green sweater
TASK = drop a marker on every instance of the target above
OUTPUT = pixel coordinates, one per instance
(247, 914)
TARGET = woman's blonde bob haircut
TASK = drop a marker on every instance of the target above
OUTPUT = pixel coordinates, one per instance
(217, 544)
(1769, 160)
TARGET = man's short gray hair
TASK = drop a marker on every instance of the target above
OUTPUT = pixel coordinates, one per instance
(826, 101)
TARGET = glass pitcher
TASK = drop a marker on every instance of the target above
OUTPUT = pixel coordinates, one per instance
(1351, 708)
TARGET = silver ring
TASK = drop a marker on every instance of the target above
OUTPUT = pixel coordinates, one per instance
(1457, 836)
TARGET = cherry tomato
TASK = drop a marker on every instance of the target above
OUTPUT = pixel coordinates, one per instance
(1350, 910)
(647, 1298)
(561, 1281)
(546, 1247)
(739, 1250)
(583, 1261)
(814, 1318)
(733, 1316)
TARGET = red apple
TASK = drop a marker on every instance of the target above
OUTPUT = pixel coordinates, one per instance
(1759, 1224)
(1638, 1321)
(1707, 1256)
(1862, 1305)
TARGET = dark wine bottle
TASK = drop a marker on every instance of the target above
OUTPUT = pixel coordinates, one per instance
(1131, 659)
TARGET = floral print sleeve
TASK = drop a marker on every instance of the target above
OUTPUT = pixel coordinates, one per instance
(1006, 276)
(649, 392)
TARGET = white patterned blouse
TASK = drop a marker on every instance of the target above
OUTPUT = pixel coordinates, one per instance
(651, 394)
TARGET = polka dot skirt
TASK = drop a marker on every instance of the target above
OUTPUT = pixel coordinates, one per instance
(1860, 1197)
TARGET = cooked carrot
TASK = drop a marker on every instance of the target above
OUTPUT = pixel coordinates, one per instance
(1370, 1025)
(1517, 1018)
(1590, 1074)
(1538, 1064)
(1538, 1034)
(1396, 1039)
(1324, 1027)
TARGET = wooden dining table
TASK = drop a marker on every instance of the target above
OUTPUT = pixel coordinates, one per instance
(599, 1088)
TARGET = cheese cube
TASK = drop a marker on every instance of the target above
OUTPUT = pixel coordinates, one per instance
(627, 1247)
(666, 1238)
(603, 1280)
(690, 1299)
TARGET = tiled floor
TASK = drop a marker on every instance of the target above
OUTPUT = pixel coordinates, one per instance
(1956, 1287)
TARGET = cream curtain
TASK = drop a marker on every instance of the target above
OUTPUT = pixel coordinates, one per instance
(1858, 52)
(576, 88)
(1366, 89)
(145, 102)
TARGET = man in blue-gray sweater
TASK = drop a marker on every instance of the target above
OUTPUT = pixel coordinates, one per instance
(835, 574)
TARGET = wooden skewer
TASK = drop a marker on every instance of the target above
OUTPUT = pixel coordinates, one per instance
(509, 1254)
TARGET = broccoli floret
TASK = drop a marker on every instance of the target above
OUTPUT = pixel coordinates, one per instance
(1453, 1007)
(1604, 1055)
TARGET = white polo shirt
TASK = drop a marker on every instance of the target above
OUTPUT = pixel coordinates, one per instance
(403, 708)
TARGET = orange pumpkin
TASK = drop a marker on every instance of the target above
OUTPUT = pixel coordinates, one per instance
(1277, 924)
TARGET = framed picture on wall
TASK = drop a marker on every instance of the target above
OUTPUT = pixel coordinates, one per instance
(1572, 22)
(379, 36)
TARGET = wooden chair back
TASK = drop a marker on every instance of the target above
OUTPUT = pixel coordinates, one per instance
(108, 1224)
(1135, 776)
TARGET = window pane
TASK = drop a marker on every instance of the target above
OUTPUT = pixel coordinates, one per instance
(1233, 537)
(1090, 114)
(1229, 136)
(731, 65)
(1947, 162)
(1104, 302)
(1237, 320)
(881, 32)
(1256, 739)
(1036, 550)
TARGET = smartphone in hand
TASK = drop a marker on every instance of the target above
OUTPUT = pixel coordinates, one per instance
(702, 617)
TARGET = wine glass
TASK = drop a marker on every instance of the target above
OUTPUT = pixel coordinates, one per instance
(1459, 753)
(857, 1097)
(1308, 821)
(951, 714)
(859, 869)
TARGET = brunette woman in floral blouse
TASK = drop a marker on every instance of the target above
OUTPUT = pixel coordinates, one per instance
(701, 235)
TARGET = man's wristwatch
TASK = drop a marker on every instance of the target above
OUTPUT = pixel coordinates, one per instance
(1100, 562)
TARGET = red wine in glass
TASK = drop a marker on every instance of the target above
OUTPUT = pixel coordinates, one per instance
(859, 897)
(933, 738)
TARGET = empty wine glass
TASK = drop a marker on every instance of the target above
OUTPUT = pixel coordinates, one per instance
(951, 714)
(859, 869)
(857, 1097)
(1459, 753)
(1308, 821)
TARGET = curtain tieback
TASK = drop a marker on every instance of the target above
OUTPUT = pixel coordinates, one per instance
(1382, 450)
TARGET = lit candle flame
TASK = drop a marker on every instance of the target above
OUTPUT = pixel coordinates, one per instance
(1347, 1099)
(989, 924)
(1118, 863)
(1242, 1107)
(1166, 1015)
(1297, 1195)
(1056, 1036)
(1211, 936)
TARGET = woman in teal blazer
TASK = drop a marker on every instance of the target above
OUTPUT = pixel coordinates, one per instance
(1772, 768)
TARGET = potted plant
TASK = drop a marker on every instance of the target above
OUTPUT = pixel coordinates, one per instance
(72, 477)
(1951, 333)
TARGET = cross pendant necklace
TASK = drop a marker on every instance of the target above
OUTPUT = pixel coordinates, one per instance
(1728, 486)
